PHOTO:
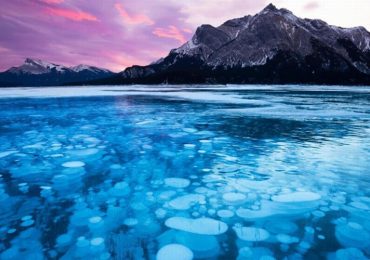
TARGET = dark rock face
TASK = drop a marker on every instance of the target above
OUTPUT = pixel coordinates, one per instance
(35, 72)
(273, 46)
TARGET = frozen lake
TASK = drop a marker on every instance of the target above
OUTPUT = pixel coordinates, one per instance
(185, 172)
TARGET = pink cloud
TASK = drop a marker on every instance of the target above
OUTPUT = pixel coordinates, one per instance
(187, 30)
(311, 6)
(70, 14)
(133, 19)
(53, 1)
(171, 32)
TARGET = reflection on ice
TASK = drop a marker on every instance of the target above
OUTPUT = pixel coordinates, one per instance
(209, 173)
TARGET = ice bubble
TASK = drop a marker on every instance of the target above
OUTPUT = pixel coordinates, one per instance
(57, 155)
(82, 247)
(245, 185)
(92, 140)
(130, 222)
(296, 197)
(211, 212)
(120, 189)
(283, 226)
(81, 217)
(189, 146)
(318, 214)
(352, 235)
(201, 226)
(27, 223)
(190, 130)
(6, 153)
(73, 164)
(334, 207)
(165, 195)
(295, 203)
(25, 218)
(286, 239)
(251, 234)
(96, 224)
(322, 237)
(174, 251)
(83, 152)
(45, 191)
(64, 240)
(97, 245)
(203, 246)
(178, 183)
(97, 241)
(11, 231)
(224, 213)
(260, 253)
(138, 206)
(267, 209)
(186, 202)
(23, 187)
(359, 205)
(349, 254)
(95, 220)
(160, 213)
(233, 198)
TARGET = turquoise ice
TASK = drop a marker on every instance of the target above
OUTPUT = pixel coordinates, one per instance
(186, 172)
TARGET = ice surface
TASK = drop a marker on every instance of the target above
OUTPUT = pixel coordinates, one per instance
(124, 171)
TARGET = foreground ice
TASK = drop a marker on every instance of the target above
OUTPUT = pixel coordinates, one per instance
(241, 172)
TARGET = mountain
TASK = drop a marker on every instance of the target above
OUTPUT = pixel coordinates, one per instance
(35, 72)
(274, 46)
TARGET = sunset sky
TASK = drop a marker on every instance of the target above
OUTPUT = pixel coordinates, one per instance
(115, 34)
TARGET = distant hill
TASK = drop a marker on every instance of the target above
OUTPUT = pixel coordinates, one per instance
(34, 72)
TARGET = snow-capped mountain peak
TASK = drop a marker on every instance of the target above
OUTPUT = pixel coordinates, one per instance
(42, 73)
(37, 66)
(83, 67)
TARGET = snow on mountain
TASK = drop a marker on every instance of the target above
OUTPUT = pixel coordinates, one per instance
(83, 67)
(38, 72)
(37, 66)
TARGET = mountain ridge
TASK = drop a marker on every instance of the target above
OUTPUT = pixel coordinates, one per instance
(264, 48)
(39, 72)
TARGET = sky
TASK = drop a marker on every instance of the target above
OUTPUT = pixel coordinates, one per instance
(116, 34)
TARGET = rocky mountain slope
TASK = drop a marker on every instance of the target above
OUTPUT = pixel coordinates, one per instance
(34, 72)
(273, 46)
